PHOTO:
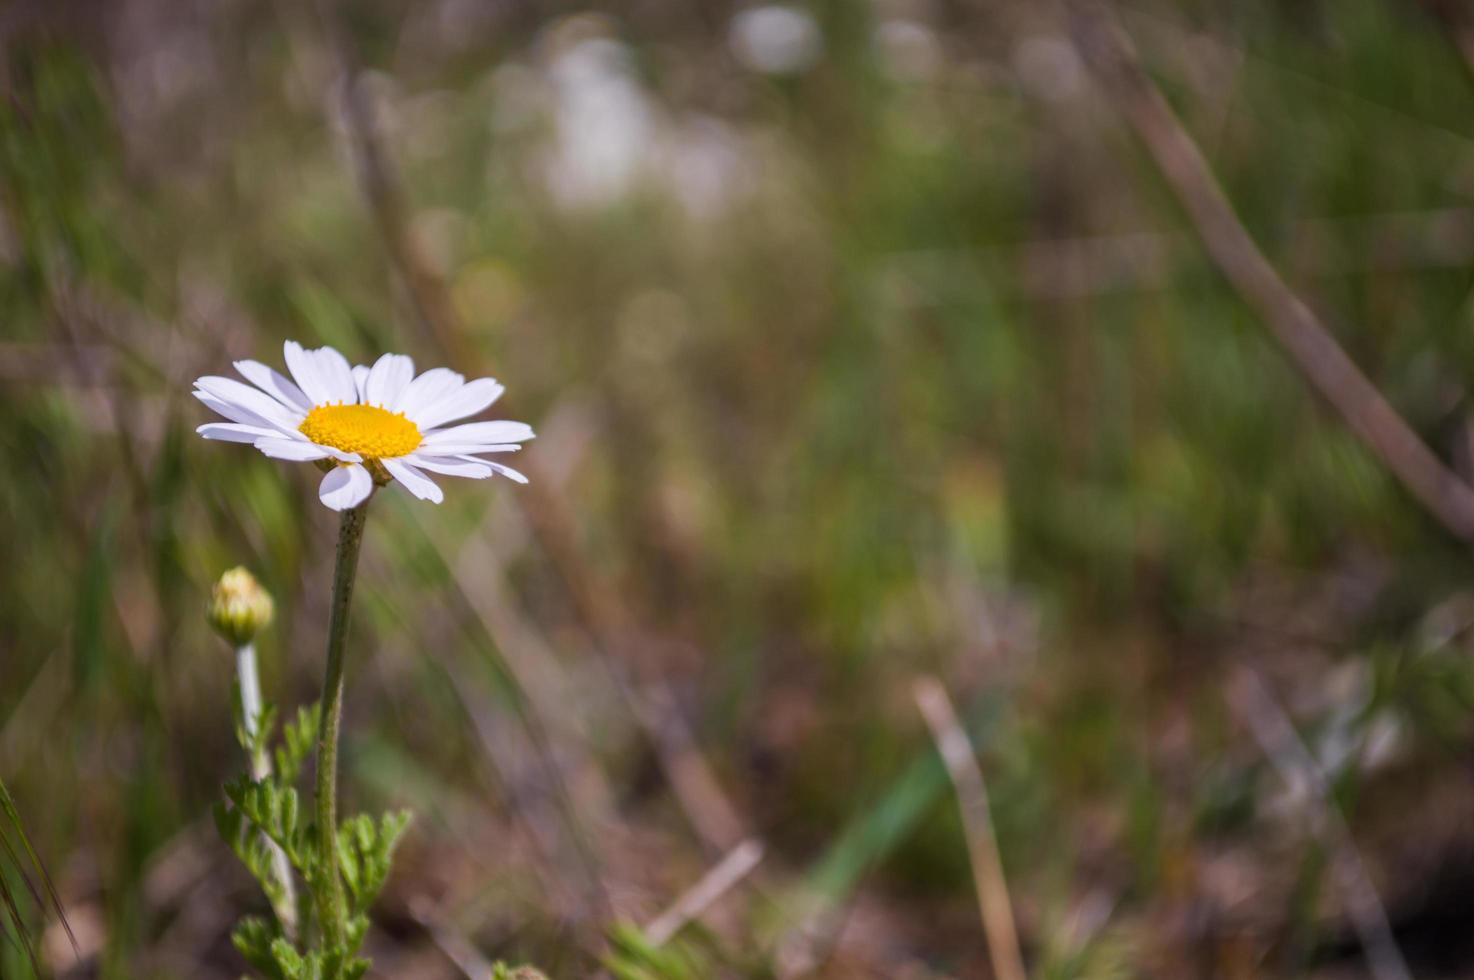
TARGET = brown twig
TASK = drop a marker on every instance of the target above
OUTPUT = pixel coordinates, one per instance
(694, 902)
(1275, 733)
(1062, 269)
(1309, 344)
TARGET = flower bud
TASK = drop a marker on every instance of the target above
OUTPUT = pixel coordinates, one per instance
(239, 606)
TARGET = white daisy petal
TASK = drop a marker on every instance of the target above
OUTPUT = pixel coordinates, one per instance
(414, 481)
(465, 449)
(475, 396)
(489, 433)
(235, 393)
(233, 412)
(292, 449)
(304, 369)
(508, 472)
(245, 417)
(269, 414)
(451, 466)
(235, 432)
(345, 487)
(505, 471)
(390, 375)
(427, 389)
(360, 380)
(274, 384)
(337, 374)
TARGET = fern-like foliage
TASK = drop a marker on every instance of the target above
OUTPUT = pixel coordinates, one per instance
(262, 815)
(298, 739)
(273, 811)
(264, 948)
(365, 850)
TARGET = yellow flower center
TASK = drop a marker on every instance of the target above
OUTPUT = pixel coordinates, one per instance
(368, 430)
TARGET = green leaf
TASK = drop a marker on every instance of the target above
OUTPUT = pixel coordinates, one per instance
(298, 740)
(275, 811)
(366, 854)
(632, 957)
(257, 941)
(357, 930)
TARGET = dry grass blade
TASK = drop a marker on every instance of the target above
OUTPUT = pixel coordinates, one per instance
(977, 826)
(738, 863)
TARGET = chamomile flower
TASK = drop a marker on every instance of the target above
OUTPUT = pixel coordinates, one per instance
(364, 425)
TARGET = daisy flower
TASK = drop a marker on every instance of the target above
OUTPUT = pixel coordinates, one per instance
(363, 425)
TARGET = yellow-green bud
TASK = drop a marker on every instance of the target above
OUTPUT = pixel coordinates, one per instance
(239, 606)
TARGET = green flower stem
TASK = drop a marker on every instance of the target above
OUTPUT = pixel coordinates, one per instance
(331, 910)
(285, 905)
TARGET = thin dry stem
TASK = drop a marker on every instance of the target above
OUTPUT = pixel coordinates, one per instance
(701, 896)
(1310, 345)
(452, 943)
(1275, 733)
(977, 827)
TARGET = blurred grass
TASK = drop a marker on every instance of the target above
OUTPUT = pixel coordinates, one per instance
(921, 371)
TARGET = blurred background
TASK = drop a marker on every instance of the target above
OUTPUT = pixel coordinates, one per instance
(865, 344)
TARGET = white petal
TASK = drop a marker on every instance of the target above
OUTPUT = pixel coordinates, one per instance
(345, 487)
(465, 448)
(245, 417)
(304, 369)
(274, 385)
(233, 412)
(391, 374)
(505, 471)
(508, 472)
(491, 433)
(235, 393)
(299, 451)
(414, 481)
(451, 466)
(427, 389)
(336, 374)
(360, 380)
(469, 399)
(235, 432)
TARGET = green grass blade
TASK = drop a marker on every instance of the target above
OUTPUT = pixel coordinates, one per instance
(12, 908)
(877, 831)
(7, 806)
